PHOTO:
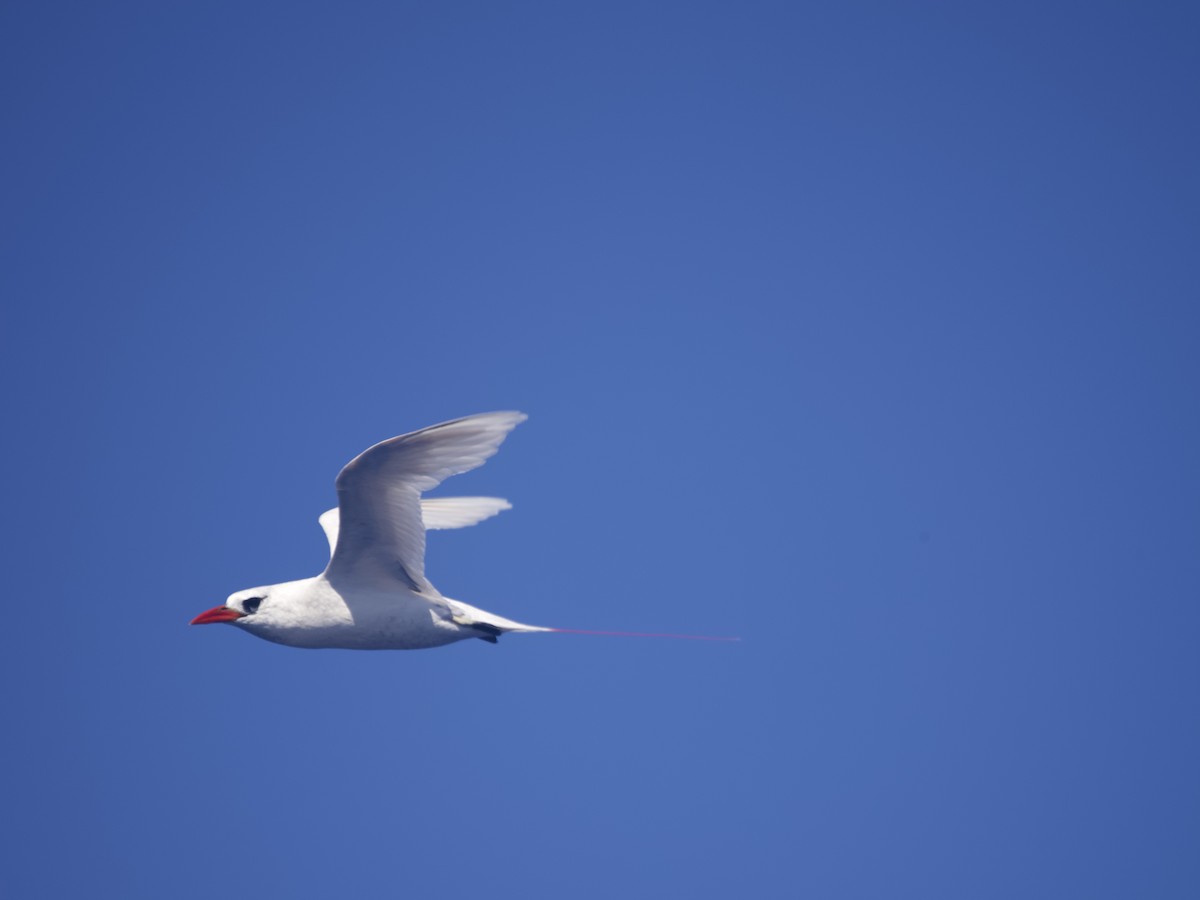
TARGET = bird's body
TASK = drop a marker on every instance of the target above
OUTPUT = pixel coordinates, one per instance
(374, 595)
(319, 615)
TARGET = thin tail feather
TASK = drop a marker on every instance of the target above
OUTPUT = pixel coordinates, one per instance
(645, 634)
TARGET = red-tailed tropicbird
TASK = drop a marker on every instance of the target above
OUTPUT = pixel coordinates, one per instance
(374, 595)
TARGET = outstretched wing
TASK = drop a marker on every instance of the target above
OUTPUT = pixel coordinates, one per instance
(436, 513)
(381, 533)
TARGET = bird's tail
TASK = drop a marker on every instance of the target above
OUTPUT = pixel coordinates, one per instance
(643, 634)
(491, 626)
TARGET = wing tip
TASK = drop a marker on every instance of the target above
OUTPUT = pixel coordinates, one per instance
(504, 420)
(510, 415)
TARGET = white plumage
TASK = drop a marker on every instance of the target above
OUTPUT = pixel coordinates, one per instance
(436, 512)
(374, 593)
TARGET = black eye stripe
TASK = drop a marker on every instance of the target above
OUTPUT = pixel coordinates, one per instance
(249, 607)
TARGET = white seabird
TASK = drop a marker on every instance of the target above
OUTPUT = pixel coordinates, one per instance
(374, 595)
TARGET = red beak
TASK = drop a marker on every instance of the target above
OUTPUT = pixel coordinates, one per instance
(217, 614)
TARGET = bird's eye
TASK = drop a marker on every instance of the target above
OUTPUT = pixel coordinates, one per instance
(250, 607)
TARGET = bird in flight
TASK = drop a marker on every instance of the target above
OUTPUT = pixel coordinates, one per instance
(373, 594)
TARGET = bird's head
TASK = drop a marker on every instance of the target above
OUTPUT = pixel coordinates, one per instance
(244, 608)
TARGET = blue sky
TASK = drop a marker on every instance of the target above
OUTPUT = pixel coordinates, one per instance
(866, 332)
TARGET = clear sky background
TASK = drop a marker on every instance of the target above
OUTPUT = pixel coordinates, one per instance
(866, 332)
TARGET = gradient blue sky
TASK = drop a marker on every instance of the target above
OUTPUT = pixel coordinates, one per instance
(867, 332)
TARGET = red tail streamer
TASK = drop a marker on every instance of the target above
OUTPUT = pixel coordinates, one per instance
(677, 637)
